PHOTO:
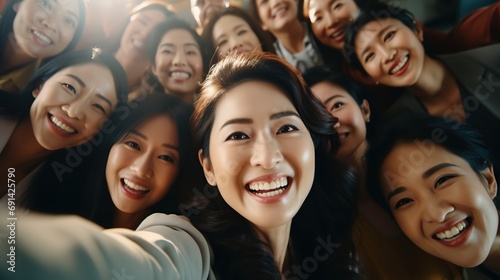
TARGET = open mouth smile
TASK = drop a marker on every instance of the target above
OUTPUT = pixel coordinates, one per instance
(269, 189)
(456, 234)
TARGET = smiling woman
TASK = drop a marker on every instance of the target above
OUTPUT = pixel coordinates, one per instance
(437, 180)
(264, 141)
(179, 62)
(73, 97)
(31, 30)
(140, 166)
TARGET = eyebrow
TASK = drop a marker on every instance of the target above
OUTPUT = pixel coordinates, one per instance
(376, 36)
(331, 98)
(436, 168)
(170, 146)
(100, 96)
(185, 45)
(274, 116)
(236, 27)
(82, 84)
(426, 175)
(394, 192)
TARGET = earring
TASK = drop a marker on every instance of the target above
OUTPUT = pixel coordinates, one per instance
(377, 82)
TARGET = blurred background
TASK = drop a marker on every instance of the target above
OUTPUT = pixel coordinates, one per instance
(440, 14)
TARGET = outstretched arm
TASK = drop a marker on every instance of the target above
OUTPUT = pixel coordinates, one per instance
(69, 247)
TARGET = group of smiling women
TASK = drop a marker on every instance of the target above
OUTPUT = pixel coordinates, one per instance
(268, 147)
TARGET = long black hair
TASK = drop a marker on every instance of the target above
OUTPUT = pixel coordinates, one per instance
(7, 19)
(327, 212)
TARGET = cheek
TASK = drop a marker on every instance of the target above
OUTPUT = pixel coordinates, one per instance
(228, 164)
(197, 66)
(113, 165)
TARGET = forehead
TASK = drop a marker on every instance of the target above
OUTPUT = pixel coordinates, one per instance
(66, 5)
(160, 126)
(252, 99)
(84, 69)
(315, 5)
(227, 23)
(326, 89)
(408, 161)
(177, 36)
(373, 28)
(152, 14)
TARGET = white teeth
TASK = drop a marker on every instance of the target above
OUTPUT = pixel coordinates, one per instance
(61, 125)
(337, 34)
(269, 194)
(266, 186)
(342, 136)
(42, 37)
(138, 44)
(281, 9)
(400, 65)
(452, 232)
(134, 186)
(179, 75)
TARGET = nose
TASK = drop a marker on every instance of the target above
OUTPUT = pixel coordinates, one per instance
(266, 153)
(47, 21)
(143, 166)
(330, 20)
(388, 55)
(436, 211)
(179, 58)
(74, 110)
(234, 44)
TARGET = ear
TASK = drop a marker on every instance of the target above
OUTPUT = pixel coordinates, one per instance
(491, 183)
(365, 108)
(37, 90)
(207, 168)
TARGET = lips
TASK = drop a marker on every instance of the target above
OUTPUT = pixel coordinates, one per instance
(279, 11)
(179, 75)
(132, 189)
(454, 231)
(41, 38)
(62, 126)
(399, 66)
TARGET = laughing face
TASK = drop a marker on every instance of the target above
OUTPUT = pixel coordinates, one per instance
(137, 32)
(143, 165)
(329, 19)
(352, 118)
(71, 106)
(390, 52)
(178, 63)
(441, 204)
(44, 28)
(276, 15)
(261, 155)
(233, 35)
